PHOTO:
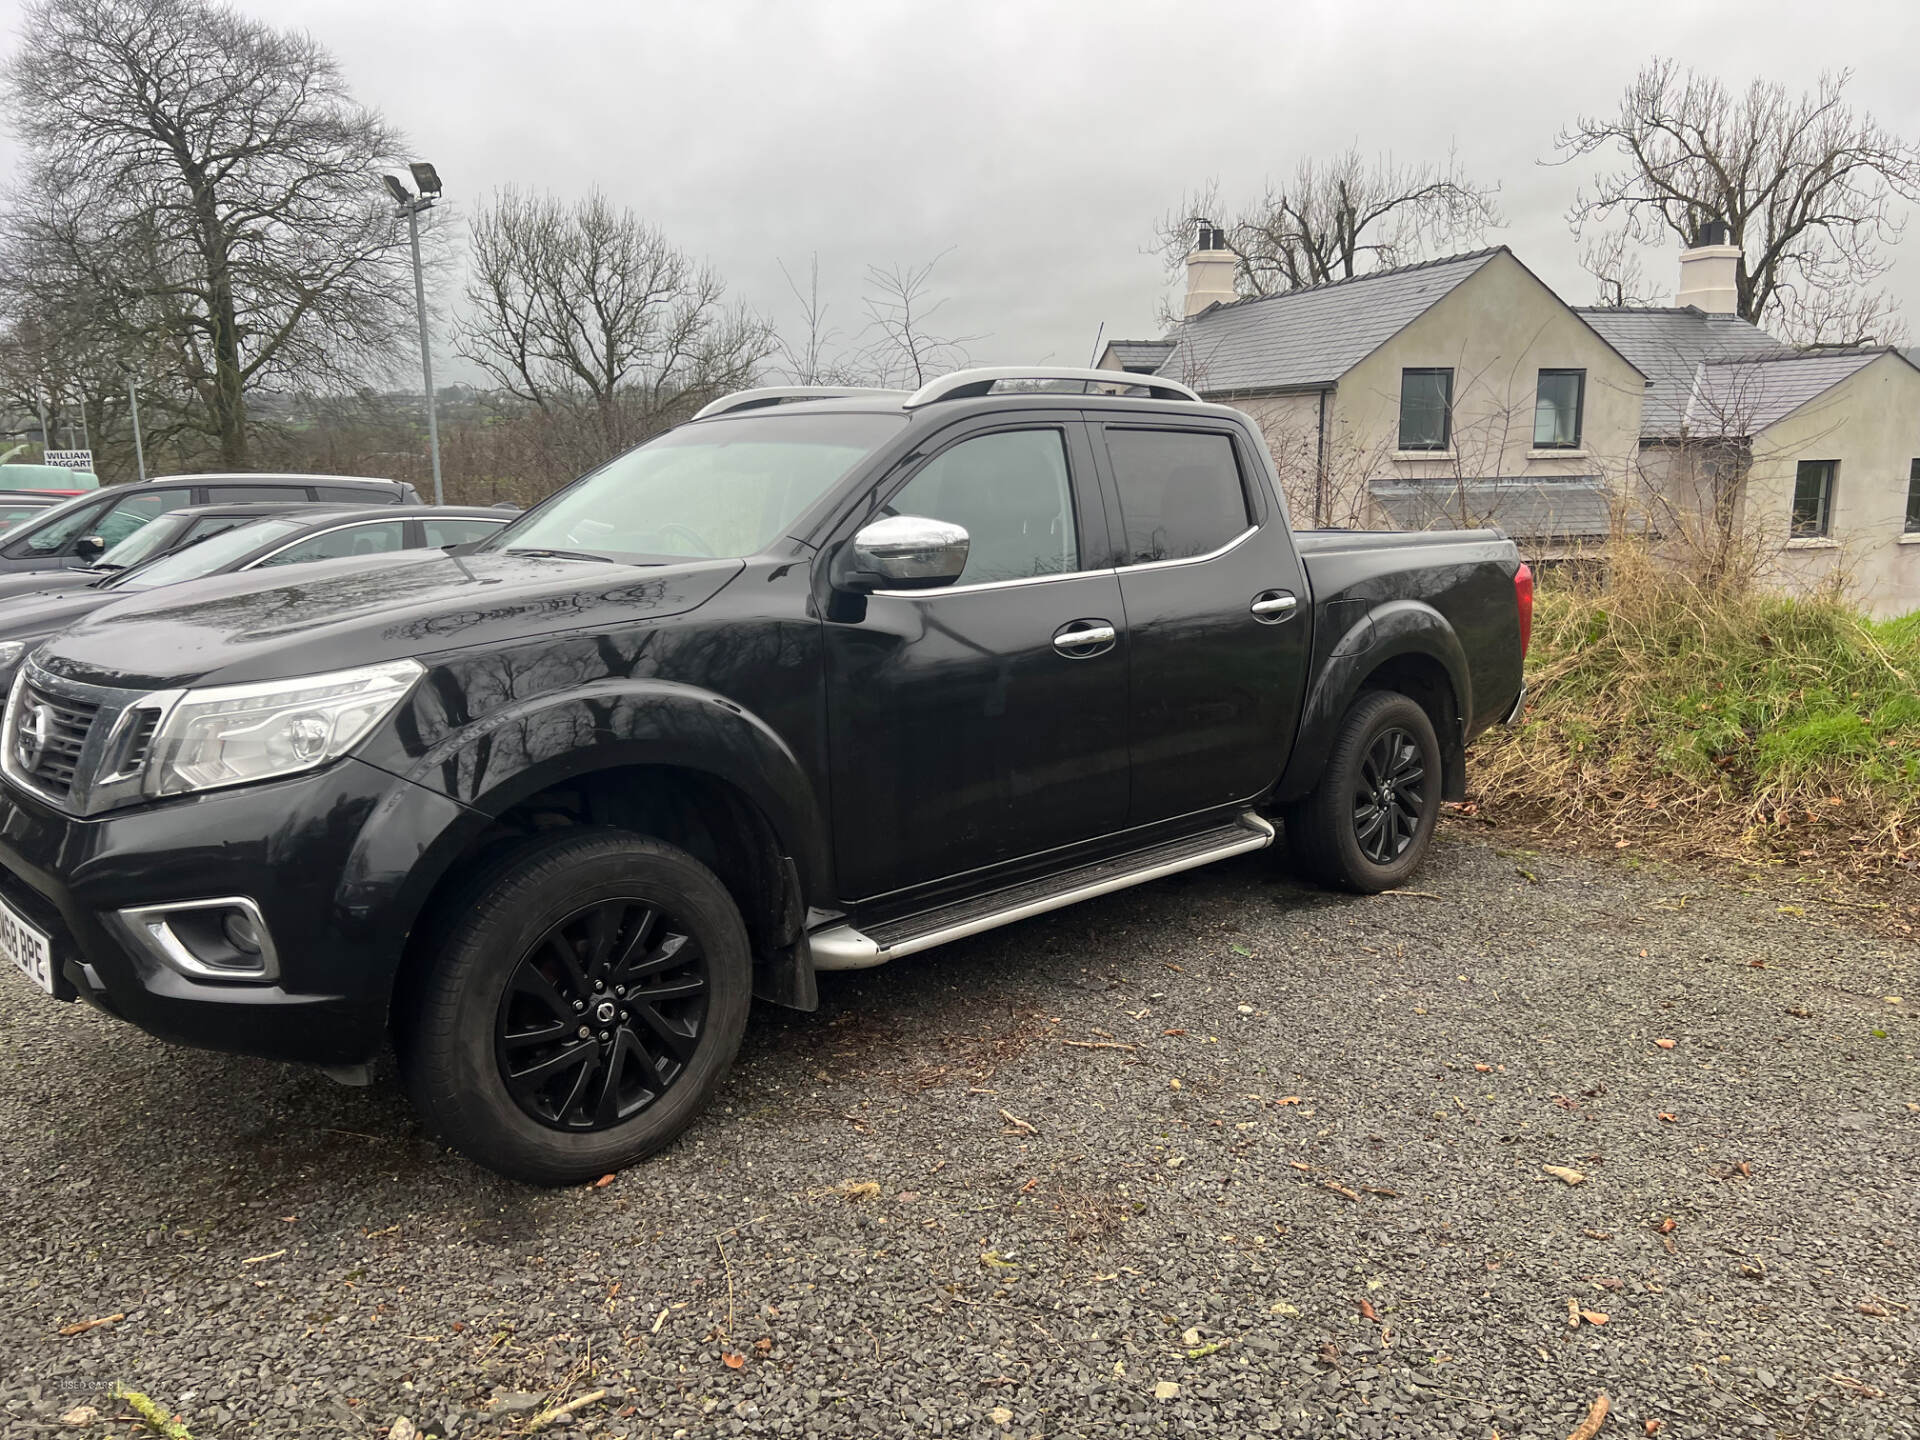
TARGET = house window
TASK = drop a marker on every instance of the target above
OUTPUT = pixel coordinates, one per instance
(1559, 397)
(1913, 499)
(1813, 498)
(1426, 409)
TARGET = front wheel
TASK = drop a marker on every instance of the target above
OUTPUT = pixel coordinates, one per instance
(588, 997)
(1367, 825)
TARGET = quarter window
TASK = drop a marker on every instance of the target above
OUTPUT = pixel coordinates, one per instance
(1559, 398)
(1913, 498)
(1011, 494)
(1426, 409)
(375, 539)
(1813, 498)
(1180, 493)
(458, 532)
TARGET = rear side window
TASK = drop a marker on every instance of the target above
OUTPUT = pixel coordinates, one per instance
(1180, 493)
(355, 494)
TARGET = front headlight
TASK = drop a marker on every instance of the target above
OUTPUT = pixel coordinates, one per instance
(233, 734)
(11, 652)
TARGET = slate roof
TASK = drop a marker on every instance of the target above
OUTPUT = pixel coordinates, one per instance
(1668, 345)
(1302, 339)
(1539, 510)
(1744, 397)
(1143, 356)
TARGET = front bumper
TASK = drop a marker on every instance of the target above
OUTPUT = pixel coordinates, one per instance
(287, 845)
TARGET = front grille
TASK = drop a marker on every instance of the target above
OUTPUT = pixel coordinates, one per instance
(70, 720)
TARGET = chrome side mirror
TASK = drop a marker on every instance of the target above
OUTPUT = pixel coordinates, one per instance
(908, 552)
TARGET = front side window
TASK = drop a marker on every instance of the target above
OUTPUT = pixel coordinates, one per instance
(719, 489)
(1559, 397)
(1011, 494)
(1426, 409)
(1180, 493)
(148, 541)
(128, 515)
(1813, 498)
(375, 539)
(1913, 498)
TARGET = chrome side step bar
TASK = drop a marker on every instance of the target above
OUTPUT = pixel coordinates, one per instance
(841, 947)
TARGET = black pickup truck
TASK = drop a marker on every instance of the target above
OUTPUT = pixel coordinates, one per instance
(815, 681)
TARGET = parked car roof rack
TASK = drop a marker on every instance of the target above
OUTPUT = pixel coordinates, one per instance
(768, 395)
(965, 384)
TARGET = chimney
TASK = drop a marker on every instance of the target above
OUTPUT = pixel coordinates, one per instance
(1708, 271)
(1210, 271)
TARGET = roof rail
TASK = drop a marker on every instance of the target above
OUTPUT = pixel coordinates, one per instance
(965, 384)
(768, 395)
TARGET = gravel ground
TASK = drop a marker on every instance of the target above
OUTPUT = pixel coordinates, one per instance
(1280, 1150)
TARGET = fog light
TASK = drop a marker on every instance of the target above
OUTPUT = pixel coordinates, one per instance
(242, 932)
(223, 939)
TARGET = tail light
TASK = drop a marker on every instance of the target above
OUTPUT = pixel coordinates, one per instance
(1523, 597)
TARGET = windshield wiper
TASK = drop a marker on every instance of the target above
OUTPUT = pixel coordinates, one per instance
(546, 554)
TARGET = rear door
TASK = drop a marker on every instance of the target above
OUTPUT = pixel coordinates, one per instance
(968, 726)
(1216, 613)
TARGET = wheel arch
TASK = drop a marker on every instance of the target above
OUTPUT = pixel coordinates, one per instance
(668, 761)
(1405, 646)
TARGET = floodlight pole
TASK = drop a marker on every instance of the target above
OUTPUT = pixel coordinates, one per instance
(412, 209)
(139, 450)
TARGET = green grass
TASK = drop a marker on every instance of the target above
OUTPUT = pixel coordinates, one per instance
(1753, 721)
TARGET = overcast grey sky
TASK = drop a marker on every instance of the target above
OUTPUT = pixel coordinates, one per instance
(1037, 140)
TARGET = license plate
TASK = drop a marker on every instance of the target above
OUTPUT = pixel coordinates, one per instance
(27, 946)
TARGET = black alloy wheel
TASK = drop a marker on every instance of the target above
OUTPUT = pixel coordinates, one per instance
(601, 1015)
(1367, 824)
(1389, 796)
(581, 997)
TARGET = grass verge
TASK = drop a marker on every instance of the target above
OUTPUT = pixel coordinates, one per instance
(1745, 726)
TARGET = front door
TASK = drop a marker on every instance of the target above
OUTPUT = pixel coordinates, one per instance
(1216, 611)
(967, 724)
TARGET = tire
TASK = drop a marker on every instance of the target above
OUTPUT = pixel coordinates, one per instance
(1333, 834)
(493, 1062)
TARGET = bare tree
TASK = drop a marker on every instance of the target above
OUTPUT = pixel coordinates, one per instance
(1340, 217)
(900, 305)
(209, 185)
(584, 310)
(1807, 187)
(815, 356)
(1618, 278)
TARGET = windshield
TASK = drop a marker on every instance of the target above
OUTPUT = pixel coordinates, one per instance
(722, 489)
(146, 542)
(210, 555)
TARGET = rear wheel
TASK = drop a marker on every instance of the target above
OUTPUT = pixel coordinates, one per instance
(1367, 825)
(589, 995)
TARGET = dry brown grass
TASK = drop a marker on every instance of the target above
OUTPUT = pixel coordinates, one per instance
(1714, 724)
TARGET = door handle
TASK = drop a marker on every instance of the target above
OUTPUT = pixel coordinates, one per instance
(1270, 607)
(1082, 639)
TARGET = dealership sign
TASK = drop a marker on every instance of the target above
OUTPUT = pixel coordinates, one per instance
(71, 459)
